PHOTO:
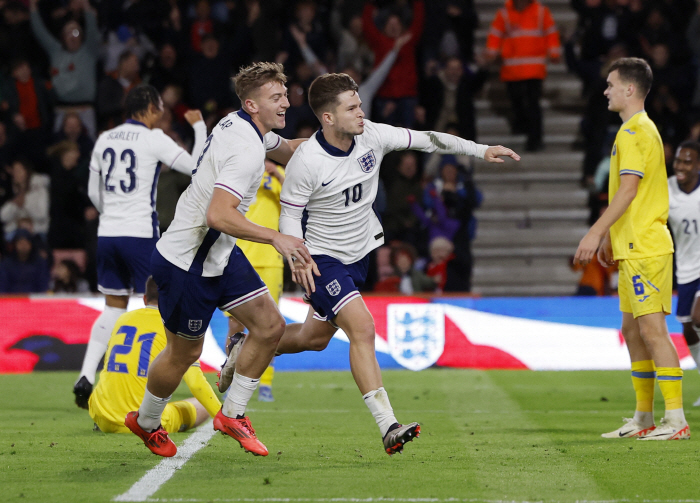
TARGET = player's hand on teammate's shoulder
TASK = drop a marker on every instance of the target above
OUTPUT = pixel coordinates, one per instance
(193, 117)
(494, 154)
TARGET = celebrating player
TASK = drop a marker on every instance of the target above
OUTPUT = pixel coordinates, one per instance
(124, 173)
(683, 219)
(633, 232)
(332, 180)
(267, 263)
(198, 268)
(137, 338)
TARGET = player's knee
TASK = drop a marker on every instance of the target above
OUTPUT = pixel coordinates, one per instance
(270, 330)
(365, 332)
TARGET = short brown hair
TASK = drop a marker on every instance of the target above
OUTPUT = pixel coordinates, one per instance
(324, 91)
(635, 71)
(251, 77)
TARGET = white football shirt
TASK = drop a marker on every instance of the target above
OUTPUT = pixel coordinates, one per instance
(127, 159)
(684, 221)
(233, 159)
(328, 194)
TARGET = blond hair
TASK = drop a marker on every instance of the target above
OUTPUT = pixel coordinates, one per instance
(252, 77)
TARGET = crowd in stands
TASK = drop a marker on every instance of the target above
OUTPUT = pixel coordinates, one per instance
(66, 65)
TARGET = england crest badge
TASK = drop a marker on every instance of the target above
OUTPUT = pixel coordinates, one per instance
(194, 325)
(367, 161)
(416, 334)
(333, 287)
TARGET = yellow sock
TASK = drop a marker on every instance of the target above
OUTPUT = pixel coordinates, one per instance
(671, 384)
(266, 378)
(643, 377)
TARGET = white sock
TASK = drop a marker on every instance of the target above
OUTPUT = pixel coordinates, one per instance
(675, 416)
(99, 340)
(646, 419)
(239, 394)
(378, 403)
(150, 411)
(695, 349)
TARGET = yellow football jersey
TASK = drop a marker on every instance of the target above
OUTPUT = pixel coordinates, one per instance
(265, 211)
(641, 232)
(138, 337)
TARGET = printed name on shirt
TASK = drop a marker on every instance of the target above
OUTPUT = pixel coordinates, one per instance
(123, 135)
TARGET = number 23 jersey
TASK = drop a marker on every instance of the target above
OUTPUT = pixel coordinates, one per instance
(128, 159)
(336, 189)
(684, 221)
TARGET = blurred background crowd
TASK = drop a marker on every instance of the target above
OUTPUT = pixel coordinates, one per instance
(66, 65)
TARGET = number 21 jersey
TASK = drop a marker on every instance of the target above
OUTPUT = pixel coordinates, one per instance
(684, 221)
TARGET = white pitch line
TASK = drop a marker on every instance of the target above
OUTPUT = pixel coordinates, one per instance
(161, 473)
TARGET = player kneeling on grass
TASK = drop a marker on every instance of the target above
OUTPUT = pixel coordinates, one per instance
(137, 338)
(331, 183)
(633, 232)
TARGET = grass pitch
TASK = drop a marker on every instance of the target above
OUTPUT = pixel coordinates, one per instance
(486, 436)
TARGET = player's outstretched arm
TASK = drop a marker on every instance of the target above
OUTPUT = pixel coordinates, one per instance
(591, 242)
(223, 216)
(284, 152)
(494, 154)
(184, 162)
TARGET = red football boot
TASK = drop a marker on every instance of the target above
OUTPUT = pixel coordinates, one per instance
(158, 441)
(241, 430)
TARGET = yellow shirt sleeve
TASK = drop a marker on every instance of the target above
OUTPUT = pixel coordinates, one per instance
(632, 152)
(201, 389)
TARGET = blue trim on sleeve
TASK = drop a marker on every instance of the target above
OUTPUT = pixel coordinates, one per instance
(632, 172)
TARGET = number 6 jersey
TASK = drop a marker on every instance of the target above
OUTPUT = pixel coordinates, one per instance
(126, 162)
(684, 221)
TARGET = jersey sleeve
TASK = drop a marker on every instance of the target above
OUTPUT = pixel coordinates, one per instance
(631, 152)
(165, 148)
(296, 192)
(272, 141)
(388, 138)
(238, 171)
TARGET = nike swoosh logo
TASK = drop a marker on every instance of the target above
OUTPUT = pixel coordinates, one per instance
(327, 183)
(625, 433)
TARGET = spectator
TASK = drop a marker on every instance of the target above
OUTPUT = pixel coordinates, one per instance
(29, 104)
(69, 201)
(30, 199)
(114, 88)
(202, 25)
(368, 87)
(23, 270)
(449, 29)
(167, 70)
(73, 130)
(304, 33)
(123, 39)
(66, 278)
(209, 79)
(399, 220)
(16, 37)
(410, 279)
(524, 58)
(353, 51)
(398, 97)
(73, 62)
(448, 97)
(446, 269)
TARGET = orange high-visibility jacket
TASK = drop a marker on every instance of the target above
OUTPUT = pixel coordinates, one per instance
(524, 39)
